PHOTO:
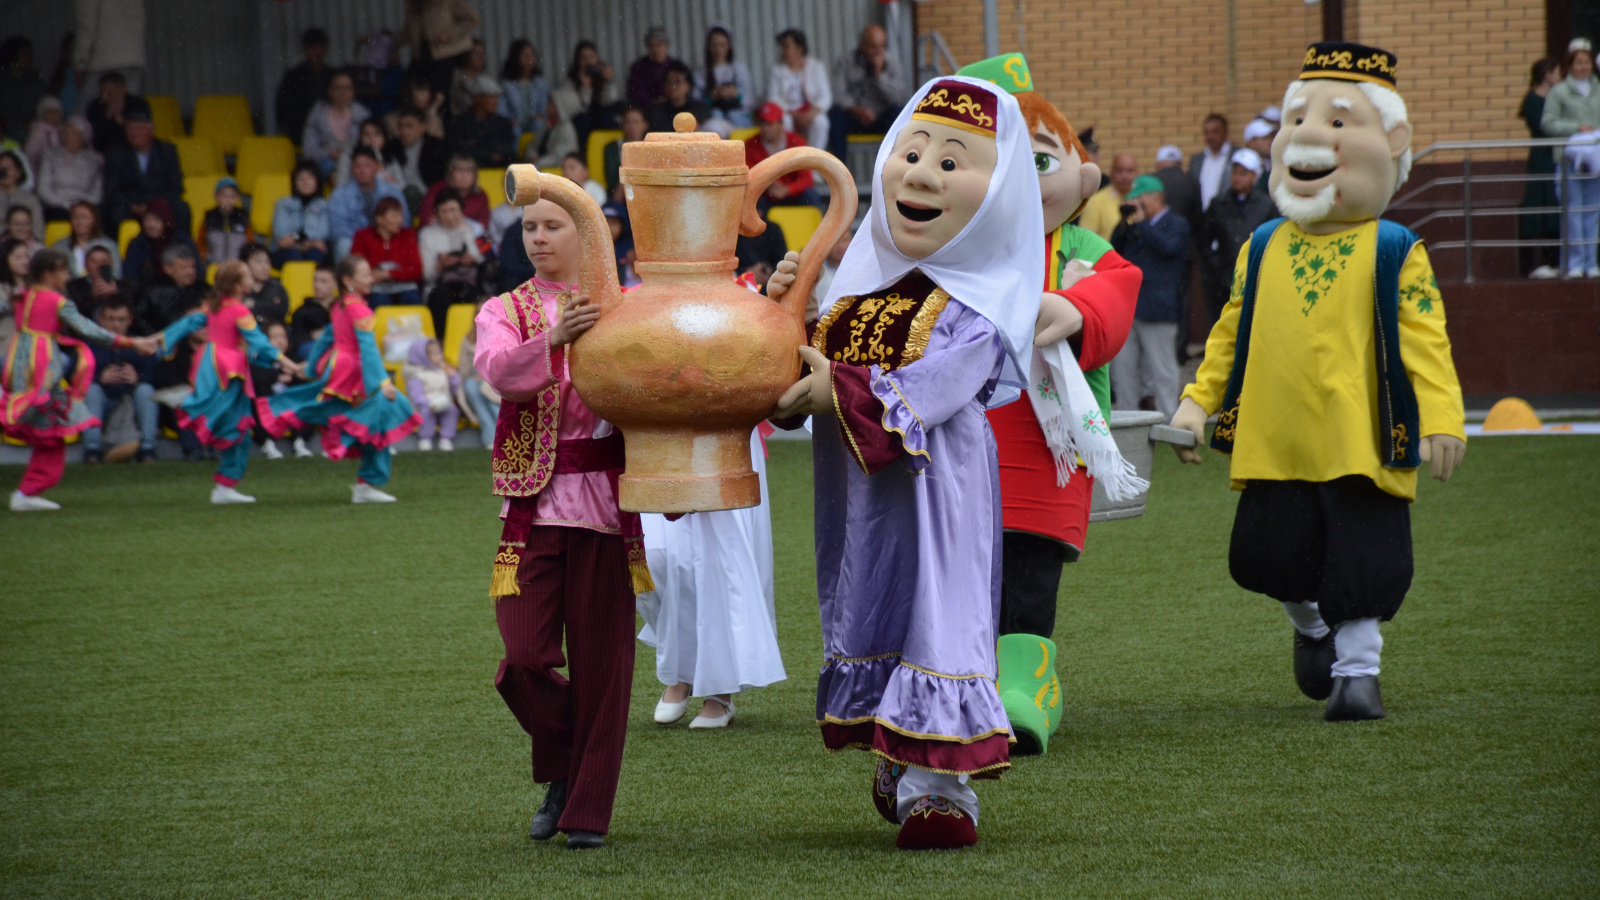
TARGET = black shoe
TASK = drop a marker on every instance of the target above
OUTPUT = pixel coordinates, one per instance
(93, 457)
(544, 821)
(1354, 699)
(145, 456)
(585, 840)
(1313, 665)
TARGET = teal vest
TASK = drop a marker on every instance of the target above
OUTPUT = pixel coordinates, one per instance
(1397, 401)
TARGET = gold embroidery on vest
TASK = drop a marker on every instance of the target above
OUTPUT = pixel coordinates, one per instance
(922, 325)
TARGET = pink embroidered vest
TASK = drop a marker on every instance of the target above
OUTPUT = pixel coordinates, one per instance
(525, 433)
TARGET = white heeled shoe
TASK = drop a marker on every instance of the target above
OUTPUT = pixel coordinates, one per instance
(668, 713)
(223, 495)
(722, 721)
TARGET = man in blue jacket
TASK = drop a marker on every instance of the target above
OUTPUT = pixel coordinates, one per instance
(1156, 240)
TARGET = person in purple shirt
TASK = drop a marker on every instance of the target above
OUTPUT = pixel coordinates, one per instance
(647, 79)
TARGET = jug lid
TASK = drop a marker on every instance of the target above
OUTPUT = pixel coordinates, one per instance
(684, 148)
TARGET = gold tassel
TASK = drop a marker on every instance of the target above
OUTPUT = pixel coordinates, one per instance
(642, 582)
(504, 581)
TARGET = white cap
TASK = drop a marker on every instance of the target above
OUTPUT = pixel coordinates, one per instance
(1248, 158)
(1272, 114)
(485, 85)
(1169, 153)
(1258, 128)
(1580, 44)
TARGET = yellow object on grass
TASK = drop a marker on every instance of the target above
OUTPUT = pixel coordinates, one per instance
(1512, 414)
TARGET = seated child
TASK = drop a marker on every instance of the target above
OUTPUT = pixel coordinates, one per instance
(269, 380)
(483, 403)
(431, 383)
(227, 228)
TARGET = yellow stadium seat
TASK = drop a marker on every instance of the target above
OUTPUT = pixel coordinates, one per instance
(126, 232)
(798, 223)
(166, 116)
(200, 192)
(551, 170)
(270, 187)
(198, 156)
(743, 134)
(493, 182)
(297, 278)
(596, 154)
(211, 274)
(55, 231)
(382, 316)
(261, 156)
(865, 138)
(458, 321)
(224, 120)
(522, 145)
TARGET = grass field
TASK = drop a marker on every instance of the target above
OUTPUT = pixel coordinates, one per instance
(294, 700)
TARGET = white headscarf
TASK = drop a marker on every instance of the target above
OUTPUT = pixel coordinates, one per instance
(994, 266)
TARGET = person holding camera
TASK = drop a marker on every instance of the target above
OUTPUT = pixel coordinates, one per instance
(1156, 240)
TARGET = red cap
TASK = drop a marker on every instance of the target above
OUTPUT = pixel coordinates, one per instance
(769, 112)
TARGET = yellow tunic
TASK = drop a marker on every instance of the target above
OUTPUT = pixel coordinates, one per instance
(1100, 213)
(1308, 409)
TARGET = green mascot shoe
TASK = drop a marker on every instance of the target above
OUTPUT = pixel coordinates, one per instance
(1029, 690)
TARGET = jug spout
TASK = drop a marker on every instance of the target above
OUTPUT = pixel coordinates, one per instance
(597, 274)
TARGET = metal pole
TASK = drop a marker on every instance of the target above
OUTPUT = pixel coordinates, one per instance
(991, 28)
(1333, 20)
(1466, 210)
(1566, 242)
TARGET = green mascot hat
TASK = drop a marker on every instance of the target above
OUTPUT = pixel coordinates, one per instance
(1008, 71)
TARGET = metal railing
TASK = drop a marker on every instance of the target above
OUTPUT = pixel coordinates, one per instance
(1468, 210)
(934, 58)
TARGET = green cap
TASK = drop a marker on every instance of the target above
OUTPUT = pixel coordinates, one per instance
(1009, 71)
(1144, 184)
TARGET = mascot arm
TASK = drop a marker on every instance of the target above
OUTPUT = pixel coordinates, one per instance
(1425, 349)
(1211, 381)
(1107, 301)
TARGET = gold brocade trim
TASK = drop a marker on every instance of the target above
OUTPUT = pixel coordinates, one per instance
(845, 426)
(884, 421)
(953, 123)
(530, 453)
(1227, 423)
(503, 583)
(1400, 439)
(922, 325)
(861, 659)
(943, 675)
(884, 723)
(819, 339)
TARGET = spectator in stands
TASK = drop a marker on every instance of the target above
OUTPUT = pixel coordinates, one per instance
(303, 86)
(576, 169)
(1258, 137)
(724, 84)
(484, 402)
(14, 191)
(85, 236)
(418, 97)
(109, 39)
(1104, 209)
(439, 33)
(524, 91)
(761, 254)
(621, 243)
(44, 132)
(379, 79)
(142, 169)
(799, 85)
(13, 149)
(390, 248)
(450, 259)
(177, 291)
(1181, 191)
(1539, 262)
(99, 281)
(1211, 165)
(464, 83)
(424, 159)
(793, 189)
(20, 86)
(481, 132)
(19, 227)
(301, 227)
(334, 124)
(1229, 222)
(463, 179)
(108, 112)
(354, 203)
(14, 258)
(676, 100)
(312, 316)
(1573, 108)
(118, 374)
(64, 80)
(647, 79)
(371, 135)
(1157, 241)
(225, 230)
(868, 90)
(432, 383)
(70, 173)
(634, 127)
(269, 301)
(157, 232)
(272, 379)
(581, 103)
(515, 267)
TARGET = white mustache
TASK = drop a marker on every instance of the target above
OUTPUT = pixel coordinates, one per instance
(1309, 156)
(1306, 210)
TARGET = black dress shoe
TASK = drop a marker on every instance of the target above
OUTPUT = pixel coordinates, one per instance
(94, 457)
(544, 821)
(585, 840)
(1313, 665)
(1354, 700)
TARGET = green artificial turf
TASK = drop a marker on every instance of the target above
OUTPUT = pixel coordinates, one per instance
(294, 699)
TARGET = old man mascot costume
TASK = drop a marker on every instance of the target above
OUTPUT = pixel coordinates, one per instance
(929, 321)
(1330, 374)
(1059, 429)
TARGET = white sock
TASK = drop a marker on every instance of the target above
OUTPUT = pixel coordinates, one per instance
(1306, 619)
(1359, 646)
(919, 783)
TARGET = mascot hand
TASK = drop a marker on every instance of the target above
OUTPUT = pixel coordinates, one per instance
(1058, 318)
(1191, 418)
(811, 395)
(779, 283)
(1443, 452)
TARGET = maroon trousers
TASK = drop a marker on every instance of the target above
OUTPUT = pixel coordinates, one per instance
(573, 580)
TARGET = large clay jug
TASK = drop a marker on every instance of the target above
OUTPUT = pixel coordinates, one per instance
(689, 362)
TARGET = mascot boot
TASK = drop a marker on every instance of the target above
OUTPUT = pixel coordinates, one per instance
(1029, 690)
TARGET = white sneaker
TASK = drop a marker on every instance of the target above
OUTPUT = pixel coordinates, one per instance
(722, 721)
(446, 444)
(1544, 272)
(270, 450)
(21, 502)
(301, 451)
(361, 492)
(1592, 272)
(424, 443)
(667, 713)
(222, 495)
(1574, 273)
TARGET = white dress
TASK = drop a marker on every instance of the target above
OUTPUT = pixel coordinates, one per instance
(711, 616)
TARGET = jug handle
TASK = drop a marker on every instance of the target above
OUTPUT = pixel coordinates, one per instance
(841, 212)
(597, 273)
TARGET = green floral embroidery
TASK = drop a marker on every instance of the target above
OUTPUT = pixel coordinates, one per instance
(1047, 389)
(1315, 269)
(1094, 424)
(1424, 295)
(1236, 293)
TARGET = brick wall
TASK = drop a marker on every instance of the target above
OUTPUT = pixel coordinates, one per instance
(1145, 72)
